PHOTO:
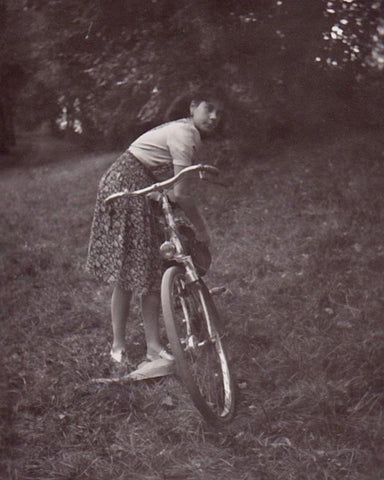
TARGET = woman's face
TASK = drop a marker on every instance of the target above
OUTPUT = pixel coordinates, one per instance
(206, 115)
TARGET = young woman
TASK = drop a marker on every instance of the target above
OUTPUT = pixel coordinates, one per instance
(125, 239)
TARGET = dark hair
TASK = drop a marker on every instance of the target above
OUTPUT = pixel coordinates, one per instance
(179, 108)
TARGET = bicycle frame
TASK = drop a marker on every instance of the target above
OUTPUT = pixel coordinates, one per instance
(171, 229)
(186, 260)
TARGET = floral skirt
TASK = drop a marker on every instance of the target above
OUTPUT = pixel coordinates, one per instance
(125, 234)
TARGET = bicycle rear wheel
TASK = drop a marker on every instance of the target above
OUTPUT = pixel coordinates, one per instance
(192, 326)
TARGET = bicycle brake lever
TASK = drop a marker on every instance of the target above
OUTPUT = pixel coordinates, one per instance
(208, 169)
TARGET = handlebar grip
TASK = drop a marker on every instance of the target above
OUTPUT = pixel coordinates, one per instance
(210, 169)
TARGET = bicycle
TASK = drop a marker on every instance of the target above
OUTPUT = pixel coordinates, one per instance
(192, 321)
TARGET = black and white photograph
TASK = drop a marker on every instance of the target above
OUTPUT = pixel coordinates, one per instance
(192, 239)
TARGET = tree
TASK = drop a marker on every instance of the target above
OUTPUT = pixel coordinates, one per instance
(12, 77)
(113, 65)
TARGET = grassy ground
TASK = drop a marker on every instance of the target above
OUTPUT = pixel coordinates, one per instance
(298, 242)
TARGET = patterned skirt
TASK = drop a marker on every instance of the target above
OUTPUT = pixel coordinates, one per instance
(125, 235)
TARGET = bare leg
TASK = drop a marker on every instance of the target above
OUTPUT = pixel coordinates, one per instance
(150, 306)
(120, 304)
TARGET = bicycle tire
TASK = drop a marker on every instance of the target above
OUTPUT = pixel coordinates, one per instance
(201, 364)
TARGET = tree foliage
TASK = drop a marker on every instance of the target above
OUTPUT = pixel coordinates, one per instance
(116, 64)
(355, 35)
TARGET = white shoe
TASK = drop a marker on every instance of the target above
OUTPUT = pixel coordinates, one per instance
(117, 355)
(163, 355)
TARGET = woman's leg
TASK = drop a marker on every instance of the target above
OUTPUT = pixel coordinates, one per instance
(150, 307)
(120, 303)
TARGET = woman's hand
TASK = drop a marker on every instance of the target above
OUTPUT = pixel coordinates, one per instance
(183, 193)
(155, 196)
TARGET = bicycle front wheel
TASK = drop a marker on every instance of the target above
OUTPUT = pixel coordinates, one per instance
(191, 322)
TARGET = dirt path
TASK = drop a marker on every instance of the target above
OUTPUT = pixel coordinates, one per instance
(37, 149)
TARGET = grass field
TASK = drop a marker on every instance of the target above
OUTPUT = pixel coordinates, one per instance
(297, 241)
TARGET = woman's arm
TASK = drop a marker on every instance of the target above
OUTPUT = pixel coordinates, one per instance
(184, 197)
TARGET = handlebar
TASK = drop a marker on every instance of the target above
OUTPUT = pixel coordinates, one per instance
(160, 186)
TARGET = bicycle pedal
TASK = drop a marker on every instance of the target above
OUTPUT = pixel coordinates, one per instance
(217, 290)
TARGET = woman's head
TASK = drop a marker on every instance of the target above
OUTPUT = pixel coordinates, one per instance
(205, 105)
(206, 114)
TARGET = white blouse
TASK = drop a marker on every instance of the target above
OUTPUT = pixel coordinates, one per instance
(173, 142)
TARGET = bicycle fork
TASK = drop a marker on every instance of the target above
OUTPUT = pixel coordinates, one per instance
(192, 340)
